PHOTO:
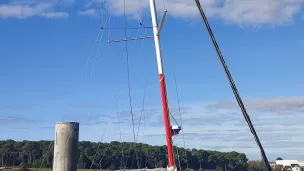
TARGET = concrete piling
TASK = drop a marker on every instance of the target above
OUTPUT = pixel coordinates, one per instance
(66, 146)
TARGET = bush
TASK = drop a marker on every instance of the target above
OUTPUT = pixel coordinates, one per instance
(23, 167)
(36, 163)
(218, 168)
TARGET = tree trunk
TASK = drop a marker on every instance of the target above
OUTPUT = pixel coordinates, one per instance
(29, 158)
(2, 159)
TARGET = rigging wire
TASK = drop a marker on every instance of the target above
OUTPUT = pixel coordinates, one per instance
(113, 161)
(108, 146)
(149, 137)
(128, 70)
(109, 33)
(103, 23)
(128, 73)
(95, 43)
(146, 85)
(179, 109)
(141, 25)
(173, 118)
(119, 128)
(142, 110)
(116, 155)
(134, 42)
(177, 155)
(142, 42)
(122, 143)
(145, 88)
(179, 163)
(164, 4)
(89, 57)
(233, 87)
(96, 56)
(139, 17)
(104, 131)
(97, 52)
(141, 113)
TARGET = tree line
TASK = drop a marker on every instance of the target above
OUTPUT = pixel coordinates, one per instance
(117, 155)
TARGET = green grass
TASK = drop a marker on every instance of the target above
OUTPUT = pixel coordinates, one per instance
(93, 170)
(42, 169)
(50, 169)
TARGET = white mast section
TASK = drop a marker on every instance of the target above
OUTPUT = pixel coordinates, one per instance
(156, 36)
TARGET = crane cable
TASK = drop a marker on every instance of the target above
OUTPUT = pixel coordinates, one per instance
(235, 91)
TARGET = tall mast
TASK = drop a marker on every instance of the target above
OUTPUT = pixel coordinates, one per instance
(156, 30)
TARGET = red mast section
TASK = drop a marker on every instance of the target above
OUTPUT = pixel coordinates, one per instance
(169, 131)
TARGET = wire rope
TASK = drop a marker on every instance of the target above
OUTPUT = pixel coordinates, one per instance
(122, 144)
(108, 146)
(232, 84)
(179, 109)
(104, 131)
(128, 73)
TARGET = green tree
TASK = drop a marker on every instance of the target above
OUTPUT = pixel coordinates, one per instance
(117, 155)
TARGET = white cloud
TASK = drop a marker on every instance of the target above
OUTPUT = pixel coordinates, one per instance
(276, 120)
(278, 105)
(260, 11)
(67, 2)
(55, 15)
(89, 12)
(24, 9)
(241, 12)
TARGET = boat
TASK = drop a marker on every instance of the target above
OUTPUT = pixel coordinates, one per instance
(170, 130)
(173, 130)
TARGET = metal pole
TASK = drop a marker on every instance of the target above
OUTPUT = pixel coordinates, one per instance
(162, 86)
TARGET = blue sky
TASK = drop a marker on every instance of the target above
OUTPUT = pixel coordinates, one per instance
(44, 77)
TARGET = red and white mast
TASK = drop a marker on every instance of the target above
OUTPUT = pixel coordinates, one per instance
(156, 31)
(170, 130)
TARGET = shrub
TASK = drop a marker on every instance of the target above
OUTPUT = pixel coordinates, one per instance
(23, 167)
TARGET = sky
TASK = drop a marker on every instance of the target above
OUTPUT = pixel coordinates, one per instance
(57, 65)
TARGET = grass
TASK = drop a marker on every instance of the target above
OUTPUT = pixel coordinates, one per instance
(93, 169)
(50, 169)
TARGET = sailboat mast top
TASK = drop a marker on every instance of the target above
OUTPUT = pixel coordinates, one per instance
(156, 31)
(156, 36)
